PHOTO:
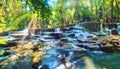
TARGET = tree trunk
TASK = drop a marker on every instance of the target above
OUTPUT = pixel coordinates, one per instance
(97, 11)
(92, 9)
(103, 12)
(118, 12)
(111, 12)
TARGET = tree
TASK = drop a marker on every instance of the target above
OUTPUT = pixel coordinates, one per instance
(111, 13)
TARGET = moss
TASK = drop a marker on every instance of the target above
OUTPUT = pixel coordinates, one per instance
(1, 51)
(2, 41)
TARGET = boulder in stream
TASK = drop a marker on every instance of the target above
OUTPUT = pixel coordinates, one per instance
(56, 35)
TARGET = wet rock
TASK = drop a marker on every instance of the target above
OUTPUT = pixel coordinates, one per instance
(82, 41)
(64, 40)
(6, 53)
(49, 37)
(4, 33)
(114, 42)
(92, 46)
(35, 65)
(12, 43)
(36, 36)
(20, 34)
(71, 28)
(2, 51)
(42, 40)
(80, 45)
(89, 37)
(71, 35)
(66, 29)
(112, 37)
(60, 43)
(114, 32)
(92, 41)
(35, 49)
(9, 44)
(107, 47)
(49, 30)
(56, 35)
(110, 46)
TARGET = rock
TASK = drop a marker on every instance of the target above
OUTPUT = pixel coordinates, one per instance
(49, 30)
(60, 43)
(35, 49)
(92, 46)
(56, 35)
(20, 34)
(114, 37)
(92, 41)
(36, 59)
(64, 40)
(105, 47)
(66, 29)
(114, 32)
(115, 42)
(14, 57)
(72, 27)
(71, 35)
(110, 46)
(6, 53)
(80, 45)
(12, 43)
(35, 65)
(4, 33)
(44, 67)
(82, 41)
(9, 44)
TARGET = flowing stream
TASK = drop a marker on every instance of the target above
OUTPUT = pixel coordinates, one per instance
(75, 48)
(65, 52)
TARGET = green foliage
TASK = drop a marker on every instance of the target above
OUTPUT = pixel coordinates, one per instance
(2, 41)
(41, 8)
(16, 14)
(12, 15)
(2, 51)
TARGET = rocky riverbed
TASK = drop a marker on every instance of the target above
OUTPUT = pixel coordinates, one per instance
(73, 48)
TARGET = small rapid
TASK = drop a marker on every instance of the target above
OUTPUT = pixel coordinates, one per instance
(67, 53)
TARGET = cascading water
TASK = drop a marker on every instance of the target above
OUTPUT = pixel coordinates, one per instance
(57, 30)
(118, 28)
(75, 49)
(51, 58)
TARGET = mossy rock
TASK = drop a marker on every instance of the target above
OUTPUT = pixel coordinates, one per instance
(2, 40)
(2, 51)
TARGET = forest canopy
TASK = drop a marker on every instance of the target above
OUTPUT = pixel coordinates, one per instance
(17, 14)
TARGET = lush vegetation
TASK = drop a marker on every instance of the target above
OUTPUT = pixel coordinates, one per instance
(19, 14)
